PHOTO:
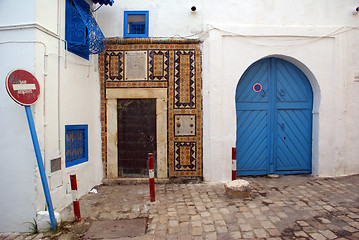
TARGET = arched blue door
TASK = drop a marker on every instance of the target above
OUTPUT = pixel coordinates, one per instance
(274, 103)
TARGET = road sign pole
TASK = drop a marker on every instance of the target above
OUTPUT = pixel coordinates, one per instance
(40, 164)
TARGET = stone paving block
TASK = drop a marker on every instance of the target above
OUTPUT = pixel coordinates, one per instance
(328, 234)
(220, 223)
(274, 219)
(197, 231)
(248, 235)
(221, 229)
(209, 228)
(195, 218)
(260, 233)
(324, 220)
(317, 236)
(172, 230)
(161, 233)
(354, 224)
(205, 214)
(207, 221)
(303, 223)
(273, 232)
(196, 224)
(217, 217)
(267, 224)
(248, 215)
(211, 236)
(184, 237)
(300, 234)
(236, 235)
(350, 229)
(245, 227)
(233, 227)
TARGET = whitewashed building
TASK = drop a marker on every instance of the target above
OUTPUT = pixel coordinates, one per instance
(276, 79)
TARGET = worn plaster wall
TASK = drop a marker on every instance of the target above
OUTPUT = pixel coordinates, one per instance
(319, 37)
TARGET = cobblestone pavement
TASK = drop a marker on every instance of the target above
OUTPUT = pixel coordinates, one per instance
(288, 207)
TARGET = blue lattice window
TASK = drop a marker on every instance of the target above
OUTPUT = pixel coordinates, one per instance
(137, 28)
(82, 33)
(76, 144)
(135, 24)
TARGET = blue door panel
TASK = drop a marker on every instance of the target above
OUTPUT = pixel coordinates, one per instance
(293, 141)
(274, 125)
(252, 153)
(258, 74)
(292, 84)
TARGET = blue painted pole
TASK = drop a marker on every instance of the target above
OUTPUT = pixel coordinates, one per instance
(40, 164)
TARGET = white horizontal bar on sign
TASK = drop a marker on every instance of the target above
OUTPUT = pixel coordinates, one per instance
(18, 87)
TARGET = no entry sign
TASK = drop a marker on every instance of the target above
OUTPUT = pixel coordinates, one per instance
(22, 87)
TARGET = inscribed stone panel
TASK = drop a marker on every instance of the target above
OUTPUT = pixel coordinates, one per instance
(135, 65)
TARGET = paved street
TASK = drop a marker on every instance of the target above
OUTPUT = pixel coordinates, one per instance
(288, 207)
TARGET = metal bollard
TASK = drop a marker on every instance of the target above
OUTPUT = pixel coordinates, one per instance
(75, 199)
(151, 175)
(234, 163)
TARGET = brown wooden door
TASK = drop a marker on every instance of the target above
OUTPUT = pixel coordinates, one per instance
(136, 136)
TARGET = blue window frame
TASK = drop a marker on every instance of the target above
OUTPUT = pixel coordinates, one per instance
(135, 24)
(76, 144)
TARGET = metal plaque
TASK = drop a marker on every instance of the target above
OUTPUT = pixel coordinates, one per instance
(185, 125)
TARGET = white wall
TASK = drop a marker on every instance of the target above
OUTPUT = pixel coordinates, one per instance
(32, 38)
(166, 18)
(319, 37)
(17, 198)
(71, 97)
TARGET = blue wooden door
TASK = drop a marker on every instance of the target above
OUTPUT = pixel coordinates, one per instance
(274, 119)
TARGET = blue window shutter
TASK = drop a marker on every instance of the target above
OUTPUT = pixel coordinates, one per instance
(83, 35)
(76, 31)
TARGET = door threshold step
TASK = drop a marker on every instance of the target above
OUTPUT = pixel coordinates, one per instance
(127, 181)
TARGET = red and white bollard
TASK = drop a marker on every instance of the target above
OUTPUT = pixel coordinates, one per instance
(151, 174)
(75, 199)
(234, 163)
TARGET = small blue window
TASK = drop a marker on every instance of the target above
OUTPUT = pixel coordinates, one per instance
(76, 144)
(135, 24)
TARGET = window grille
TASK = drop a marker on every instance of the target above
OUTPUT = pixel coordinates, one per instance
(76, 144)
(137, 28)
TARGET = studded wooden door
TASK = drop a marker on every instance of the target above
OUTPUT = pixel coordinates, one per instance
(136, 135)
(274, 119)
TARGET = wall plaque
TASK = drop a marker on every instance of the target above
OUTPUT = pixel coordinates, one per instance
(135, 65)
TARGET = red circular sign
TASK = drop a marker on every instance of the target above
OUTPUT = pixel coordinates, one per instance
(22, 87)
(257, 87)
